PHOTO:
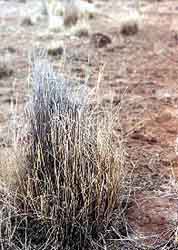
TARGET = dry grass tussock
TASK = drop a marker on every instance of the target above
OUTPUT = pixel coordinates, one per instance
(5, 67)
(71, 13)
(130, 24)
(81, 29)
(63, 179)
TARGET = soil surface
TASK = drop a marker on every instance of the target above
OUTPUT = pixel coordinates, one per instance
(140, 72)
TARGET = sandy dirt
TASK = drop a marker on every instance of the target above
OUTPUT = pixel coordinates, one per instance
(139, 71)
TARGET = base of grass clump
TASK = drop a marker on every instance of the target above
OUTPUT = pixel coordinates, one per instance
(72, 178)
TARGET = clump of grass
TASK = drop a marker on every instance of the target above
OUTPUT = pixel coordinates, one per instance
(55, 49)
(130, 24)
(69, 172)
(5, 69)
(71, 13)
(81, 29)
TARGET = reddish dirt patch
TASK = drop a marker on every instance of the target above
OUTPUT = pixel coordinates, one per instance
(159, 212)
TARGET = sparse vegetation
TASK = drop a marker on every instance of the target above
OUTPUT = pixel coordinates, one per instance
(66, 182)
(69, 14)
